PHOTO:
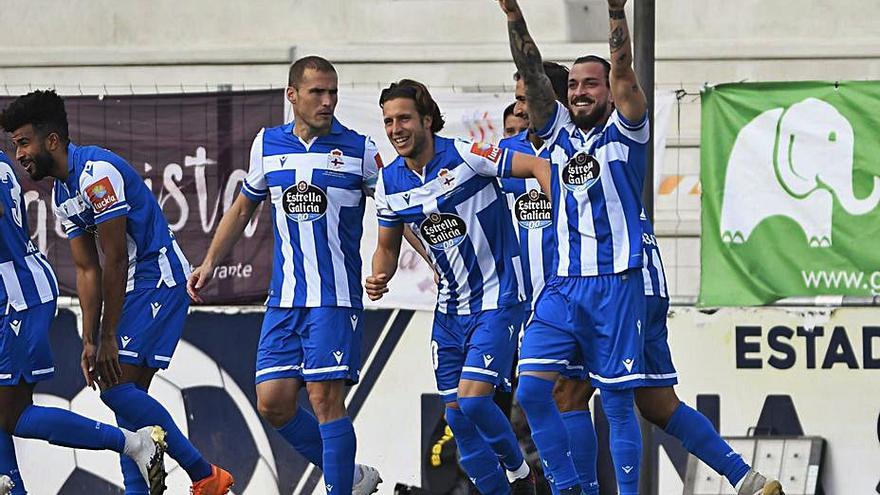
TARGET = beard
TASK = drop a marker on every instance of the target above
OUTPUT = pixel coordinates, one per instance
(589, 120)
(42, 166)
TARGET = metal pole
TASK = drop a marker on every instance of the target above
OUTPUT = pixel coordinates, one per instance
(643, 53)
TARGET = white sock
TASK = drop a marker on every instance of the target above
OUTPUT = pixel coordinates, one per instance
(132, 442)
(521, 472)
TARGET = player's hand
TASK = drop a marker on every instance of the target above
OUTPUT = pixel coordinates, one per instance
(107, 362)
(616, 4)
(510, 7)
(376, 286)
(88, 364)
(198, 279)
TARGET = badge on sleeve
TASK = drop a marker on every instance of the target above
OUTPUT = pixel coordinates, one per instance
(102, 195)
(486, 150)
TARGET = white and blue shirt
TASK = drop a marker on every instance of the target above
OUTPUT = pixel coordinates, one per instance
(533, 218)
(457, 210)
(597, 193)
(318, 193)
(28, 280)
(653, 273)
(101, 186)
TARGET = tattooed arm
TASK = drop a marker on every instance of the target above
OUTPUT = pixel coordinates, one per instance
(628, 95)
(539, 92)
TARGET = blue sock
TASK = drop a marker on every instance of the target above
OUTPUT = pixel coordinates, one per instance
(625, 438)
(303, 434)
(68, 429)
(699, 437)
(8, 463)
(495, 428)
(584, 448)
(131, 476)
(140, 410)
(475, 455)
(535, 396)
(340, 445)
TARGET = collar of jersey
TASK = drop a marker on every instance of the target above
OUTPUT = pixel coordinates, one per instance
(440, 145)
(335, 127)
(71, 163)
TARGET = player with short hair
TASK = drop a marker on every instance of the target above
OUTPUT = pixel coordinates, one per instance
(134, 303)
(29, 296)
(316, 173)
(513, 124)
(447, 191)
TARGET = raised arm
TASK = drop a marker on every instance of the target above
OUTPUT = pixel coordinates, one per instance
(628, 95)
(539, 92)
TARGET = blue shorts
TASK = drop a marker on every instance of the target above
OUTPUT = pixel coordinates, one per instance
(151, 325)
(659, 370)
(593, 320)
(310, 344)
(478, 347)
(25, 352)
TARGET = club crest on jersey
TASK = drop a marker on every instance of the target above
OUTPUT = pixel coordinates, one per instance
(304, 202)
(581, 172)
(486, 150)
(443, 230)
(102, 195)
(532, 210)
(446, 178)
(334, 159)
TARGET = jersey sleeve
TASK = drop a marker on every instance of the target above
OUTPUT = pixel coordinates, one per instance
(371, 164)
(557, 122)
(485, 159)
(387, 216)
(639, 131)
(103, 190)
(71, 230)
(254, 185)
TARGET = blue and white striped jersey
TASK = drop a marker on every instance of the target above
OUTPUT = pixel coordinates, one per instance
(101, 186)
(28, 280)
(318, 194)
(653, 273)
(458, 211)
(533, 218)
(597, 193)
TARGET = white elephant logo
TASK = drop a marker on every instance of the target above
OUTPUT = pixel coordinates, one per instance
(792, 162)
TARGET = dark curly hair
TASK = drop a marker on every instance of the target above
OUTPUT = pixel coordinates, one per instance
(42, 109)
(417, 92)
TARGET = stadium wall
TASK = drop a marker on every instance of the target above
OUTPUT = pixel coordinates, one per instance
(789, 371)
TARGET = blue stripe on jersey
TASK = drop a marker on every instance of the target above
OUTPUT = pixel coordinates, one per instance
(653, 273)
(318, 202)
(537, 243)
(96, 174)
(597, 215)
(459, 213)
(28, 280)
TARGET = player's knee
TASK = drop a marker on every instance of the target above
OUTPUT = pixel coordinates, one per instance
(276, 412)
(476, 407)
(327, 402)
(618, 405)
(571, 395)
(657, 405)
(534, 392)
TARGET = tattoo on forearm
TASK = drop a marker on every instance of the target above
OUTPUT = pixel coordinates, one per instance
(617, 14)
(527, 57)
(618, 38)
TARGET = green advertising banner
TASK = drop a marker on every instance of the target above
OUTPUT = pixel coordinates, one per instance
(791, 186)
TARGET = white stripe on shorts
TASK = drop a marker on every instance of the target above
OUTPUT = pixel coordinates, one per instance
(328, 369)
(619, 379)
(482, 371)
(273, 369)
(166, 359)
(43, 371)
(123, 352)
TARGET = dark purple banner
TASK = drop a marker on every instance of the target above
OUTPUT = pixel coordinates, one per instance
(192, 151)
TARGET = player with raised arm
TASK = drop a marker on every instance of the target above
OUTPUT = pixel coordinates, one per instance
(595, 305)
(316, 174)
(589, 83)
(447, 191)
(29, 294)
(134, 302)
